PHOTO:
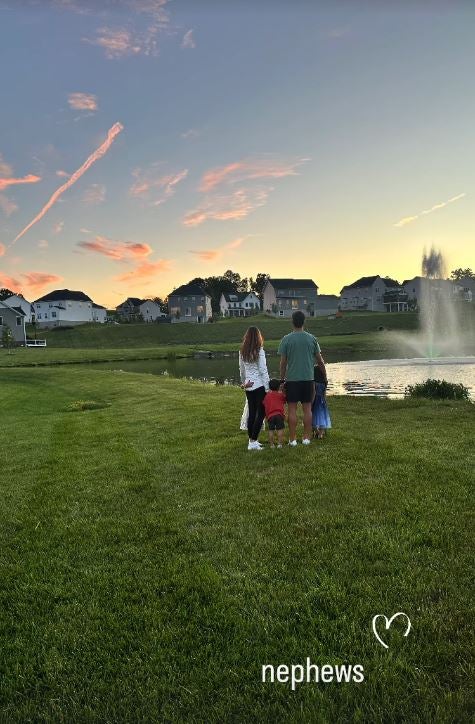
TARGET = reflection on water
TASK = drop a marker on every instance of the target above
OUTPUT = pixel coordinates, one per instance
(382, 378)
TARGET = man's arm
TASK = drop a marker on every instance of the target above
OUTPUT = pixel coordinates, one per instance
(321, 364)
(283, 366)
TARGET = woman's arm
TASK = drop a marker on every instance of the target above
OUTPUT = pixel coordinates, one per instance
(262, 367)
(242, 369)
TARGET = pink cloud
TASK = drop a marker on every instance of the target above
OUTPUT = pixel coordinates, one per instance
(2, 249)
(237, 205)
(248, 169)
(7, 205)
(118, 250)
(34, 281)
(62, 174)
(116, 43)
(154, 188)
(82, 102)
(188, 40)
(213, 254)
(145, 269)
(94, 194)
(30, 179)
(5, 168)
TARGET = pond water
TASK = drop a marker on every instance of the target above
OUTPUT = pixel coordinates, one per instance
(384, 378)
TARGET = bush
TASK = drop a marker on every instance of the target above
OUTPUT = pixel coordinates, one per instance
(438, 390)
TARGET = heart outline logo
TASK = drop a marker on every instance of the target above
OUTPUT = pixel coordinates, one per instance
(388, 623)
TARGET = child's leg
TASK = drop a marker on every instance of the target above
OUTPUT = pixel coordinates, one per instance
(271, 438)
(280, 436)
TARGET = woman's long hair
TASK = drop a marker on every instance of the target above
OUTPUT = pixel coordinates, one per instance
(251, 344)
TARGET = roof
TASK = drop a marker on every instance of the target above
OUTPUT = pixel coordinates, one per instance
(293, 283)
(368, 281)
(188, 289)
(16, 310)
(97, 306)
(236, 296)
(59, 294)
(329, 297)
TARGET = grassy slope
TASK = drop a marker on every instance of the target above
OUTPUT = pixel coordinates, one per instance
(231, 330)
(145, 578)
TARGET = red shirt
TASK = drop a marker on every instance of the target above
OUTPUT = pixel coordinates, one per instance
(274, 404)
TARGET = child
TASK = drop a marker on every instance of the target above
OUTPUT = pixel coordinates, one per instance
(274, 402)
(320, 415)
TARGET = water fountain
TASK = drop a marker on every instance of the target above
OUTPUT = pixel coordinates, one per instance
(445, 328)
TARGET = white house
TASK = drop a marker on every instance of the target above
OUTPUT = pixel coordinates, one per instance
(13, 318)
(135, 309)
(99, 314)
(373, 294)
(415, 288)
(239, 304)
(467, 288)
(18, 300)
(282, 297)
(63, 308)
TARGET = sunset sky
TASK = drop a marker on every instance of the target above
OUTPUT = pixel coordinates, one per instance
(151, 141)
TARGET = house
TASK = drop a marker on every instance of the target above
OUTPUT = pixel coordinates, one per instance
(99, 314)
(467, 288)
(135, 309)
(239, 304)
(282, 297)
(417, 287)
(367, 294)
(18, 300)
(326, 305)
(13, 318)
(62, 308)
(190, 303)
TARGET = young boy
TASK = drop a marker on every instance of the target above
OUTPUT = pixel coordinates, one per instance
(274, 402)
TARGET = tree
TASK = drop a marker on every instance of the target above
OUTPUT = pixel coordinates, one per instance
(162, 304)
(257, 285)
(8, 339)
(458, 274)
(5, 293)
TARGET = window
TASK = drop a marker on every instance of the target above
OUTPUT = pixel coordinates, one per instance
(200, 309)
(53, 314)
(1, 321)
(192, 299)
(295, 303)
(39, 316)
(174, 310)
(18, 321)
(281, 312)
(38, 306)
(50, 305)
(185, 299)
(187, 311)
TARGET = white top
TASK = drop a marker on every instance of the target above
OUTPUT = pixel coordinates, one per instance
(255, 372)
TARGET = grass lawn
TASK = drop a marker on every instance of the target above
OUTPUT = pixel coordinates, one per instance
(150, 565)
(115, 336)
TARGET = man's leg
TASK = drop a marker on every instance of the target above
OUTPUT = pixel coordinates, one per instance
(292, 415)
(307, 420)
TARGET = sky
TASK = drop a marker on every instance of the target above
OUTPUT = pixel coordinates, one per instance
(147, 142)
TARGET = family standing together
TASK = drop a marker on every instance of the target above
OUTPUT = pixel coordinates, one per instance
(303, 379)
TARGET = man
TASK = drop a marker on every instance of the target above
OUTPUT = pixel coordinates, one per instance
(299, 352)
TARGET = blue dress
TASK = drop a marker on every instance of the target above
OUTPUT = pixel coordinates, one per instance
(320, 414)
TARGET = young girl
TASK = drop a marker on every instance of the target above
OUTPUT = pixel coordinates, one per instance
(255, 380)
(320, 415)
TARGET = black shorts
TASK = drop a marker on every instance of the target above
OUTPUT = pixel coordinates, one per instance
(300, 391)
(276, 422)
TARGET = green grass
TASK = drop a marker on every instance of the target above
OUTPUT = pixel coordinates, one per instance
(116, 336)
(150, 565)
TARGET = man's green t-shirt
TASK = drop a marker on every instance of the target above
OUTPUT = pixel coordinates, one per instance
(300, 349)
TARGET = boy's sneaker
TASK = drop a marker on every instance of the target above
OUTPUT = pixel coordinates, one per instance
(305, 441)
(254, 445)
(293, 443)
(279, 445)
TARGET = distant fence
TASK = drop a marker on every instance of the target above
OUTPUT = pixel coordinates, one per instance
(36, 342)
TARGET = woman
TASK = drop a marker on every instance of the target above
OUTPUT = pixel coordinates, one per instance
(255, 380)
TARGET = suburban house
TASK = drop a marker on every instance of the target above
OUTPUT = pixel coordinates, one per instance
(416, 287)
(63, 308)
(134, 309)
(14, 319)
(374, 294)
(99, 314)
(239, 304)
(18, 300)
(190, 303)
(282, 297)
(467, 286)
(327, 304)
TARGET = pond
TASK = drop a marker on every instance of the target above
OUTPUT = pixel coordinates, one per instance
(384, 378)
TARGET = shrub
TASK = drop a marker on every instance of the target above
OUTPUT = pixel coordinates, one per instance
(438, 390)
